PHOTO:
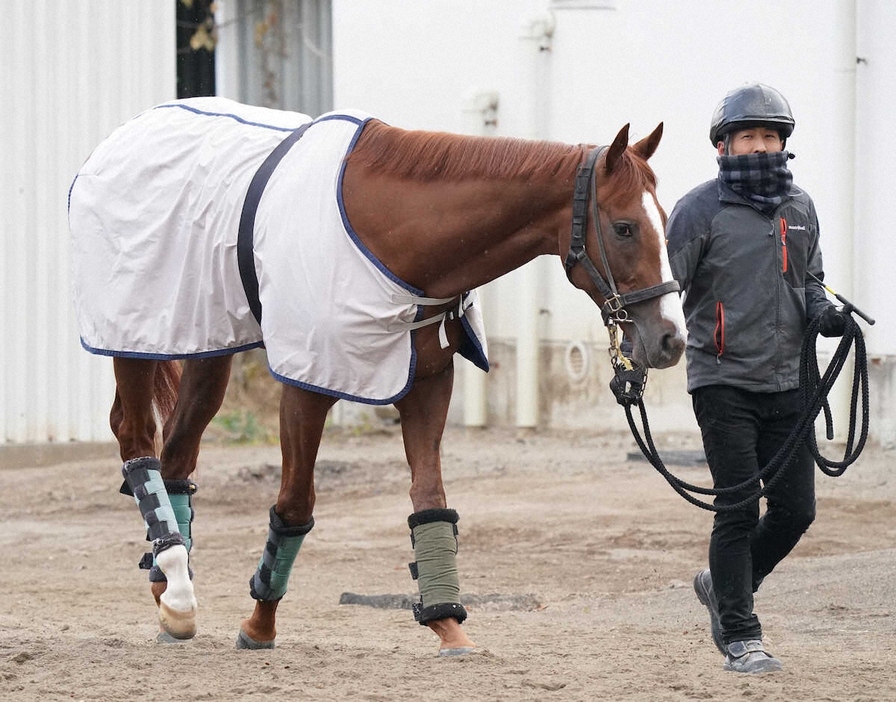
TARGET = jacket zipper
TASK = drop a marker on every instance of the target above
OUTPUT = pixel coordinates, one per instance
(783, 245)
(719, 332)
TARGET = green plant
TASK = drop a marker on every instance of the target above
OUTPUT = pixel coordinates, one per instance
(241, 427)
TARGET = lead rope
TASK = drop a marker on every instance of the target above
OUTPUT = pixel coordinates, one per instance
(810, 379)
(814, 390)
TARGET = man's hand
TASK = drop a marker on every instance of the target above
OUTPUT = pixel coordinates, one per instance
(832, 322)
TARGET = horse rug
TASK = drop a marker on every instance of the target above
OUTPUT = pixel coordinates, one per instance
(154, 216)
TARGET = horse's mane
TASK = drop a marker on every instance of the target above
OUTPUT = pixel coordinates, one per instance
(427, 156)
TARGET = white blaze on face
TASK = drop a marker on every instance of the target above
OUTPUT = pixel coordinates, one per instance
(670, 303)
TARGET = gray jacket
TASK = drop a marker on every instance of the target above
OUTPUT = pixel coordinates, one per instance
(743, 275)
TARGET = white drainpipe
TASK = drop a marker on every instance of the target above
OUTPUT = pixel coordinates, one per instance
(481, 117)
(876, 100)
(536, 35)
(843, 121)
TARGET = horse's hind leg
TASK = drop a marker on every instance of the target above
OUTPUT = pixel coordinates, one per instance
(131, 418)
(162, 490)
(201, 393)
(424, 411)
(302, 418)
(134, 426)
(202, 387)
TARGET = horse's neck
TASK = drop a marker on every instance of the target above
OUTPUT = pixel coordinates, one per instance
(449, 233)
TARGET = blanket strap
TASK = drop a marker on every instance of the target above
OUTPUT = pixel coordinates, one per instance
(245, 254)
(465, 301)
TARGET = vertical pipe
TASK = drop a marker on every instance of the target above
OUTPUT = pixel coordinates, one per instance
(18, 225)
(840, 222)
(227, 49)
(875, 174)
(480, 116)
(875, 171)
(537, 37)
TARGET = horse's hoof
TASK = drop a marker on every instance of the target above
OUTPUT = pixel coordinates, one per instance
(179, 625)
(246, 642)
(459, 651)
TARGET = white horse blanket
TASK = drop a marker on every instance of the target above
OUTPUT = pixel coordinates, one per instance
(154, 216)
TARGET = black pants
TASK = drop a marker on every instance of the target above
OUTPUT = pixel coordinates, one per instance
(742, 431)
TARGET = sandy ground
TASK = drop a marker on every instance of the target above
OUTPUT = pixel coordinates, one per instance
(579, 561)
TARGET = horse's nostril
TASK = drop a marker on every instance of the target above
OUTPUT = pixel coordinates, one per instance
(673, 343)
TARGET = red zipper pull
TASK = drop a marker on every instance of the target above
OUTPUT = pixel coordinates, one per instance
(783, 245)
(719, 332)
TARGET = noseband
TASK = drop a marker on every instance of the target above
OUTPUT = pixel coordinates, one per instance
(614, 309)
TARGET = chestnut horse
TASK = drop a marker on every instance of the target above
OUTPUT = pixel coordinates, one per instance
(444, 214)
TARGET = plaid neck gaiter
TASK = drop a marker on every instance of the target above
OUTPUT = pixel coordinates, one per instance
(762, 178)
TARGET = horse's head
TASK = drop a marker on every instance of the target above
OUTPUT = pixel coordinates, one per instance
(619, 257)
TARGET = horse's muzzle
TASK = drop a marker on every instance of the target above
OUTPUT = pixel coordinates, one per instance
(657, 346)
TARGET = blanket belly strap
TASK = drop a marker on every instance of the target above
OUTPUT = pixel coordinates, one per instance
(464, 302)
(245, 234)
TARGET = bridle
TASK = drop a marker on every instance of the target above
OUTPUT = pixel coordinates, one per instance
(614, 309)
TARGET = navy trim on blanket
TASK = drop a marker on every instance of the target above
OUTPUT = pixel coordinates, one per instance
(171, 356)
(471, 348)
(353, 235)
(236, 118)
(346, 396)
(68, 207)
(245, 255)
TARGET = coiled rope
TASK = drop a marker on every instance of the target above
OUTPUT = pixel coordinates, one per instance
(814, 390)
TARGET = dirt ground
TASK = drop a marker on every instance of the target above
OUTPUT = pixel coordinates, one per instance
(578, 561)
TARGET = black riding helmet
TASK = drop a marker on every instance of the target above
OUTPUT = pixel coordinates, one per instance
(752, 105)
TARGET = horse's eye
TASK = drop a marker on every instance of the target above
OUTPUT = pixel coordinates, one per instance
(623, 229)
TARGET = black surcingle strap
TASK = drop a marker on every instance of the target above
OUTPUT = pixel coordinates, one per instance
(245, 254)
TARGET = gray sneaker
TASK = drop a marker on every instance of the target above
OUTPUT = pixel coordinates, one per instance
(750, 657)
(703, 588)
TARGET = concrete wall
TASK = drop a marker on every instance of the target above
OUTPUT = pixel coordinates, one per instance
(577, 71)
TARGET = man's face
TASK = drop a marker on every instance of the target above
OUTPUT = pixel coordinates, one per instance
(752, 141)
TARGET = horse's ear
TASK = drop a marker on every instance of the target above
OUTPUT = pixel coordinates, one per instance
(648, 144)
(617, 148)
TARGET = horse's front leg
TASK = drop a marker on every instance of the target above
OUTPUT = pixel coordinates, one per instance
(424, 411)
(302, 418)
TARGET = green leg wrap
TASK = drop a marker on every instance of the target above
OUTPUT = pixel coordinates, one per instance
(180, 494)
(434, 538)
(166, 506)
(270, 580)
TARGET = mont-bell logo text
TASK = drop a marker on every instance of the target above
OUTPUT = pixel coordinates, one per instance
(798, 227)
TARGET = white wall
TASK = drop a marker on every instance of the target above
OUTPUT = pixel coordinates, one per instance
(875, 241)
(72, 72)
(645, 61)
(415, 64)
